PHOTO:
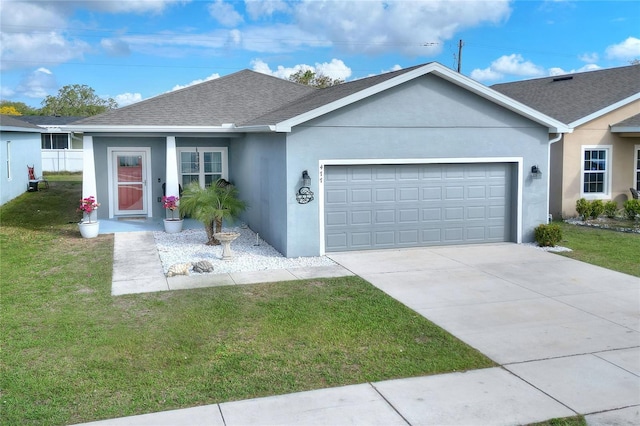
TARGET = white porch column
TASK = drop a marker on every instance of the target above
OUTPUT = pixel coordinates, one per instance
(88, 170)
(172, 168)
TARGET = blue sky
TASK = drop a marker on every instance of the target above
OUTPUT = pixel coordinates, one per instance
(135, 49)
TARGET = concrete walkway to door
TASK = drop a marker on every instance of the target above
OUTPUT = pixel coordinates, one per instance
(567, 328)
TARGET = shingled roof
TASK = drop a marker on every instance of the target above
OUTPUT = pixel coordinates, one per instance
(12, 122)
(251, 101)
(50, 120)
(234, 98)
(571, 97)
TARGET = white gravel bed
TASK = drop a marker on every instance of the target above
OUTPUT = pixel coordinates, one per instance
(556, 249)
(189, 246)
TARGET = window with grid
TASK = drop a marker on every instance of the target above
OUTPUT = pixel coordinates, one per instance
(201, 165)
(595, 170)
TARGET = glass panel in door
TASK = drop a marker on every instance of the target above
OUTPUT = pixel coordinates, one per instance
(130, 183)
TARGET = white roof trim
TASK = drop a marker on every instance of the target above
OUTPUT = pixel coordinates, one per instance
(99, 128)
(625, 129)
(473, 86)
(604, 111)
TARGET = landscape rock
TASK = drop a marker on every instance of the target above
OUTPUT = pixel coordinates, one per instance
(179, 269)
(202, 266)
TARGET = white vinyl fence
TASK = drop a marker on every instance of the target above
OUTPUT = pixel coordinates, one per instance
(62, 160)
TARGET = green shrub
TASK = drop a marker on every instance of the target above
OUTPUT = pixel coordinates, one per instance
(632, 208)
(597, 208)
(610, 209)
(583, 207)
(548, 235)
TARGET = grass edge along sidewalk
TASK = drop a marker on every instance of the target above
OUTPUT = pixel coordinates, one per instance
(74, 353)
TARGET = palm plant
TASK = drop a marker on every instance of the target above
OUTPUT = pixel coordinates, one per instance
(211, 205)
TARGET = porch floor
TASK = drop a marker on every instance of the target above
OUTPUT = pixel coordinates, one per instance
(112, 226)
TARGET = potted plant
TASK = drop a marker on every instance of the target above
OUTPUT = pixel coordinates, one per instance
(172, 225)
(211, 206)
(89, 228)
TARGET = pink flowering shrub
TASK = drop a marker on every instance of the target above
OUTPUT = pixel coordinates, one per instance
(170, 203)
(88, 205)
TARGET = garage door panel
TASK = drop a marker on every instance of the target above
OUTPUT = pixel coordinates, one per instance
(454, 193)
(336, 196)
(361, 195)
(385, 195)
(386, 206)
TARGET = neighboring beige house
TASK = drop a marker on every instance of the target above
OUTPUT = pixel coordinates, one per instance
(600, 159)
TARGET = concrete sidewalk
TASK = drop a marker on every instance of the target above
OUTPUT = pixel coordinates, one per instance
(566, 334)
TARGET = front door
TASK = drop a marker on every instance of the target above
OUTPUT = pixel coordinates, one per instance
(130, 182)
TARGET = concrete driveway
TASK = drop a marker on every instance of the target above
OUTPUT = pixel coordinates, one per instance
(569, 329)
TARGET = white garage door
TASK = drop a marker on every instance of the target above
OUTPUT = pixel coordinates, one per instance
(412, 205)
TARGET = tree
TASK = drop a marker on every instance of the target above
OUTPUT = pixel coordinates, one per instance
(211, 206)
(9, 110)
(310, 78)
(20, 107)
(76, 100)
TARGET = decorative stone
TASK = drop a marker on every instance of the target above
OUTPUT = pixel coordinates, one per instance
(179, 269)
(202, 266)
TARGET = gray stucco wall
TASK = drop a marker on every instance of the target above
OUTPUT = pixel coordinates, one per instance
(257, 167)
(425, 119)
(25, 151)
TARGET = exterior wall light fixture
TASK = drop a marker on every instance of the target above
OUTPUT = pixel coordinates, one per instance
(304, 194)
(535, 172)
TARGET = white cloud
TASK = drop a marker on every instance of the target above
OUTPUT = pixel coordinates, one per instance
(559, 71)
(125, 99)
(225, 13)
(590, 58)
(396, 25)
(336, 69)
(202, 80)
(21, 50)
(256, 9)
(513, 64)
(37, 84)
(131, 6)
(626, 50)
(115, 47)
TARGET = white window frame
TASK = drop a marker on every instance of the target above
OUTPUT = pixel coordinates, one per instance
(607, 172)
(636, 167)
(9, 177)
(224, 151)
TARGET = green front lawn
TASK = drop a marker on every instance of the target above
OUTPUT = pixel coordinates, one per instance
(73, 353)
(619, 251)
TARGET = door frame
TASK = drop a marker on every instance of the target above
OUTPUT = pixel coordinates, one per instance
(148, 198)
(462, 160)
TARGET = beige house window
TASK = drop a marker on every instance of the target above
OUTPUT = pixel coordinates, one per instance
(596, 171)
(637, 171)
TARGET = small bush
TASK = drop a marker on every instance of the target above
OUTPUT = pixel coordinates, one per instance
(632, 209)
(610, 209)
(583, 207)
(597, 208)
(548, 235)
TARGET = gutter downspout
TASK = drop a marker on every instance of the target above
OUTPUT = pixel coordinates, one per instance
(551, 142)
